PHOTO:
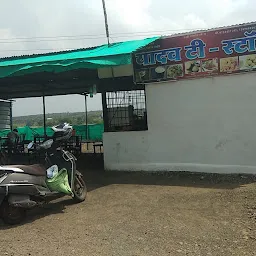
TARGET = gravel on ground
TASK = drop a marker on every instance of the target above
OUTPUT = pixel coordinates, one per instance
(139, 214)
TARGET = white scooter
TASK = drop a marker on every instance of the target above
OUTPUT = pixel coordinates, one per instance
(23, 187)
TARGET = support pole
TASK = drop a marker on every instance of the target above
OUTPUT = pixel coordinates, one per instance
(107, 29)
(44, 115)
(106, 20)
(105, 111)
(86, 120)
(11, 115)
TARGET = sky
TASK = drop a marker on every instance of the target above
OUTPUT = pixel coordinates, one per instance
(31, 26)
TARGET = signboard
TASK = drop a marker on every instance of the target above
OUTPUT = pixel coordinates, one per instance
(199, 54)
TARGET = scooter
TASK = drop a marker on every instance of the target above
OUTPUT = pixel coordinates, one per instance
(23, 187)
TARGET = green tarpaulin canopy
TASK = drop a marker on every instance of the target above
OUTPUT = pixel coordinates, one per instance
(102, 56)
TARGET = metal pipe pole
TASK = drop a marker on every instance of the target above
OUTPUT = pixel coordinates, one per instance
(106, 29)
(44, 115)
(11, 115)
(86, 120)
(106, 20)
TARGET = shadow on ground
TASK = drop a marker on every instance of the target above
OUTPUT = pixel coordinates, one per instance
(41, 212)
(92, 168)
(95, 177)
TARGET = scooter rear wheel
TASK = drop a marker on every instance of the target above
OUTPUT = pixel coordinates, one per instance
(80, 190)
(12, 215)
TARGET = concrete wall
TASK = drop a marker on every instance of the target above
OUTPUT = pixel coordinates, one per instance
(206, 124)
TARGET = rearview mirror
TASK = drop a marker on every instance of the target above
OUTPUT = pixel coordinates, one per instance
(30, 145)
(47, 144)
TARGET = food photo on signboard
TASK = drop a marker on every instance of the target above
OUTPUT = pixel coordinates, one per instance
(192, 67)
(210, 65)
(158, 73)
(174, 71)
(247, 62)
(229, 64)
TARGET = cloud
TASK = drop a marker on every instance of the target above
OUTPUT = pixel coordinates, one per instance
(127, 19)
(133, 13)
(64, 17)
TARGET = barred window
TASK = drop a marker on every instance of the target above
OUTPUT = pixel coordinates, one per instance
(125, 111)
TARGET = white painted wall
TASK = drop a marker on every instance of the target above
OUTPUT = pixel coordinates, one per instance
(206, 125)
(119, 71)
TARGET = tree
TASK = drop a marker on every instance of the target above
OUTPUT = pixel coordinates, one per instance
(79, 120)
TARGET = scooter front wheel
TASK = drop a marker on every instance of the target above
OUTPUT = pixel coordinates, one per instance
(12, 215)
(80, 190)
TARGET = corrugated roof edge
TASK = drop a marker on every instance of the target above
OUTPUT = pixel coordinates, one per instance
(48, 53)
(60, 52)
(210, 29)
(8, 101)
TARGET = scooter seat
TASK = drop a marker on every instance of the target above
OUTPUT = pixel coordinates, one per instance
(35, 169)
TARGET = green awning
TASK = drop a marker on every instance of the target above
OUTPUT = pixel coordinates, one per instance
(102, 56)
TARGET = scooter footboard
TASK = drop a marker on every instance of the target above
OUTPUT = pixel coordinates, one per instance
(24, 189)
(21, 195)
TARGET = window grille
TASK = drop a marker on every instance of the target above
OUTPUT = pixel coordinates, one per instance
(125, 111)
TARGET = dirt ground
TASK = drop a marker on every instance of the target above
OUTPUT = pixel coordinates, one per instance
(142, 214)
